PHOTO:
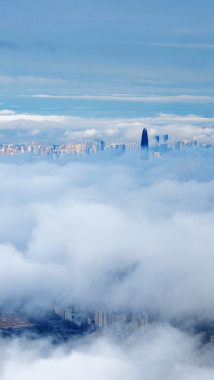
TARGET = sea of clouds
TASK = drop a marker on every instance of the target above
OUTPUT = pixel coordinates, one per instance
(116, 232)
(57, 129)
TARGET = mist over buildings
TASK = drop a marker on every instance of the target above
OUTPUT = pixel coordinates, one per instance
(108, 233)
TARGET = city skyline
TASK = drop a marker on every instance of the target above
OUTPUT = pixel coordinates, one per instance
(160, 146)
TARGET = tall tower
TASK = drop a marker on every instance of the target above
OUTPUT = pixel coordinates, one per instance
(144, 139)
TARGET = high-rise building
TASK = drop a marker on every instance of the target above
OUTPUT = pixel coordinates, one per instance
(144, 139)
(102, 145)
(98, 145)
(101, 318)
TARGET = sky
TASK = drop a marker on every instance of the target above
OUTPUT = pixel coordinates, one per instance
(157, 51)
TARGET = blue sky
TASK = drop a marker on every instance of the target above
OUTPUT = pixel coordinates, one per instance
(156, 50)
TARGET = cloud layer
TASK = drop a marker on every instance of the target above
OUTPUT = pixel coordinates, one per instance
(162, 354)
(109, 233)
(55, 128)
(69, 230)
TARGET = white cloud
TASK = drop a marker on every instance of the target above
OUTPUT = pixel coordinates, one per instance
(7, 112)
(117, 129)
(111, 232)
(162, 353)
(82, 223)
(88, 133)
(143, 99)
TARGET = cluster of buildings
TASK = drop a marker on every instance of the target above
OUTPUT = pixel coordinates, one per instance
(122, 322)
(160, 146)
(65, 150)
(63, 323)
(12, 321)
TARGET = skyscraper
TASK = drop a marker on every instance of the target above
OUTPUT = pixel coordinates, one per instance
(101, 318)
(144, 139)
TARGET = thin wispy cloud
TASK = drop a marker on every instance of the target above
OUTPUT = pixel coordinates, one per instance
(143, 99)
(31, 80)
(152, 81)
(175, 45)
